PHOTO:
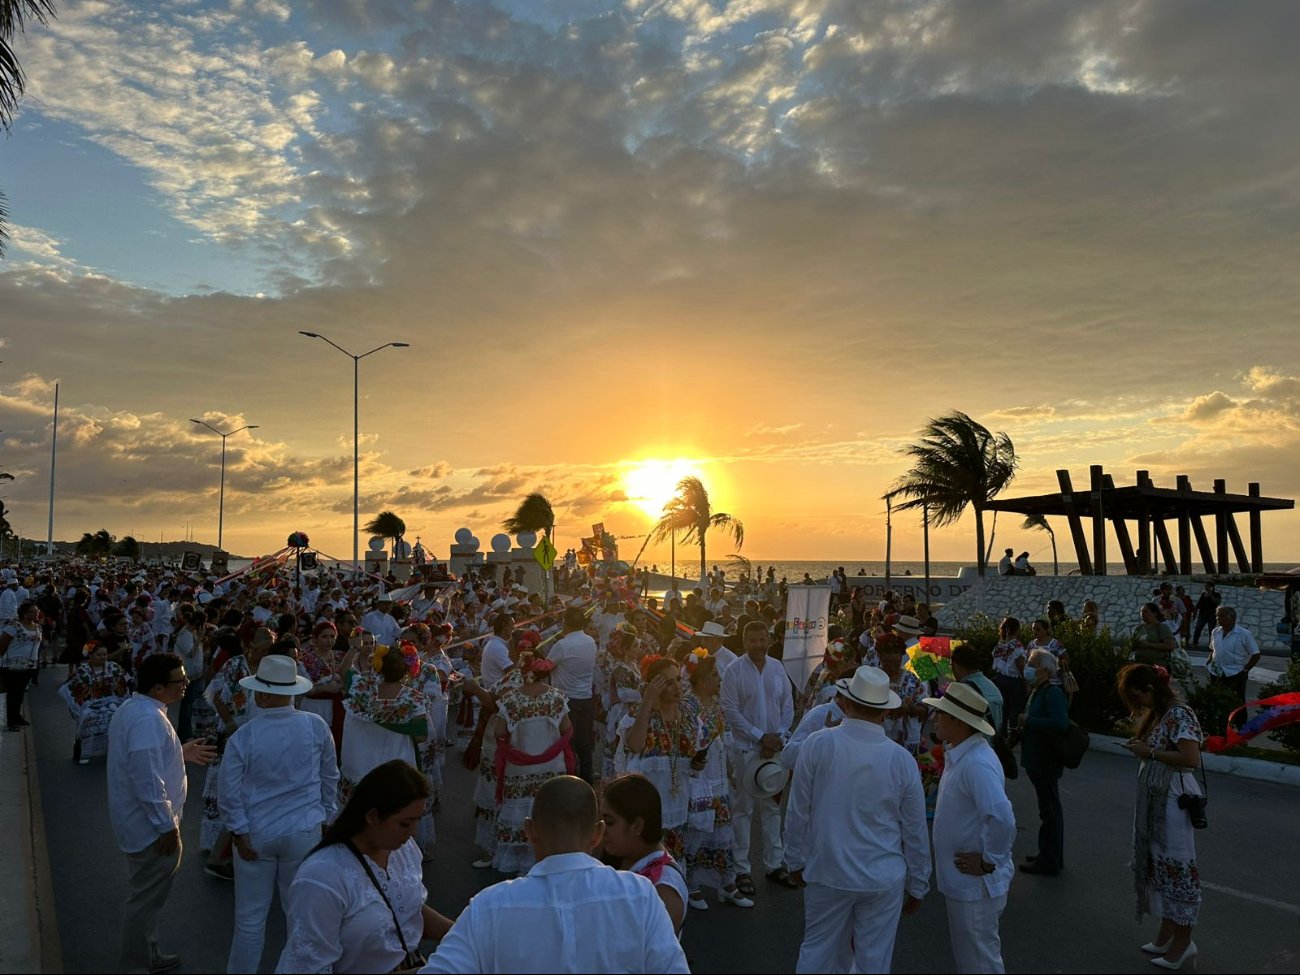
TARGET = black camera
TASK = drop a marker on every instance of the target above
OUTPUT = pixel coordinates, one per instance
(1195, 806)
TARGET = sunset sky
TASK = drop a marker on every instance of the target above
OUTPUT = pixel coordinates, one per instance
(760, 242)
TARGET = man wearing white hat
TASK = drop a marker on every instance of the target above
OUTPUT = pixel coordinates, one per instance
(974, 827)
(855, 832)
(278, 785)
(711, 635)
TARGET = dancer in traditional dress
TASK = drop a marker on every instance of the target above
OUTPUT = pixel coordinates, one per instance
(93, 694)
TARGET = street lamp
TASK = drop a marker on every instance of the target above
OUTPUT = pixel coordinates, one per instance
(221, 498)
(356, 434)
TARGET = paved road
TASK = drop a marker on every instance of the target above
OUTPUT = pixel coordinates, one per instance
(1079, 922)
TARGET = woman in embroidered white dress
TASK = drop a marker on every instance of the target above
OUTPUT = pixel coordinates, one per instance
(1168, 740)
(660, 736)
(533, 737)
(337, 918)
(904, 724)
(432, 683)
(93, 694)
(621, 689)
(385, 718)
(235, 708)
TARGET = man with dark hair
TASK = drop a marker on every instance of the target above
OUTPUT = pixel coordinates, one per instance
(574, 656)
(146, 797)
(570, 912)
(966, 669)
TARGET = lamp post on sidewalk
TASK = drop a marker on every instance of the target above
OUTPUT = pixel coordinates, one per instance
(356, 435)
(221, 497)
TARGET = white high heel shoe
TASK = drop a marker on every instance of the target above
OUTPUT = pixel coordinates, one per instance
(1151, 948)
(1173, 966)
(734, 897)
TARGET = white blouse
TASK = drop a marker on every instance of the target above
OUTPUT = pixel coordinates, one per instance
(337, 920)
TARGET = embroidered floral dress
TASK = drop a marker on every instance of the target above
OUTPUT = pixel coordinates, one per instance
(666, 761)
(1005, 655)
(709, 839)
(93, 697)
(905, 730)
(533, 725)
(1165, 875)
(485, 786)
(239, 701)
(429, 682)
(320, 669)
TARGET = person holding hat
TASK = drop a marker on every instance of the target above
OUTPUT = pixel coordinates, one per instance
(856, 833)
(974, 828)
(279, 780)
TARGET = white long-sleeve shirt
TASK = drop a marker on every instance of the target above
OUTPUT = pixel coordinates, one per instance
(856, 815)
(571, 913)
(279, 774)
(756, 703)
(814, 720)
(146, 773)
(973, 815)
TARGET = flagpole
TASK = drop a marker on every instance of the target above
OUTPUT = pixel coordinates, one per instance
(54, 453)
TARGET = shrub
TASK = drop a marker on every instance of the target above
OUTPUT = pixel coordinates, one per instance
(1288, 736)
(1095, 661)
(1212, 704)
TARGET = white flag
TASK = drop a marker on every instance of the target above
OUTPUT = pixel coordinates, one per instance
(805, 631)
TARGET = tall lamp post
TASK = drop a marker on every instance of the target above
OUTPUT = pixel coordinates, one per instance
(221, 497)
(356, 434)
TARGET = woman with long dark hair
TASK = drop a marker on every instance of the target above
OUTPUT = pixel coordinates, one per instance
(357, 901)
(1167, 739)
(634, 835)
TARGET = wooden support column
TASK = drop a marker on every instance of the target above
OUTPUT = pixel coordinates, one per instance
(1121, 534)
(1221, 530)
(1098, 519)
(1144, 528)
(1238, 549)
(1075, 522)
(1256, 533)
(1166, 549)
(1184, 531)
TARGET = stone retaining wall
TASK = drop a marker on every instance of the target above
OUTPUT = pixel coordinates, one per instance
(1119, 597)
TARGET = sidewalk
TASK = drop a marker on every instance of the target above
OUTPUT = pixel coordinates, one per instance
(31, 941)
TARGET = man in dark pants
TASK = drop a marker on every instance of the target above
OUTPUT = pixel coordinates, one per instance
(1206, 607)
(574, 656)
(1233, 652)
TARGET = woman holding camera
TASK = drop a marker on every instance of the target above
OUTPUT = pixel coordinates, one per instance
(1167, 740)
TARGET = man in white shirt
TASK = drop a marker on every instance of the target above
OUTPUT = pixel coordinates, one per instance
(1006, 565)
(570, 913)
(262, 612)
(496, 652)
(974, 827)
(856, 832)
(759, 707)
(606, 621)
(278, 784)
(380, 622)
(820, 716)
(715, 602)
(711, 635)
(146, 797)
(574, 656)
(1233, 654)
(673, 598)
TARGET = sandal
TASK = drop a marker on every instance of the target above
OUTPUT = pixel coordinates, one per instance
(782, 876)
(745, 884)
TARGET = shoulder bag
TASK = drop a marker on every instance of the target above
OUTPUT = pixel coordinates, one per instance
(414, 960)
(1068, 747)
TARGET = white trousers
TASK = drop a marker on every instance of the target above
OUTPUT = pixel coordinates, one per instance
(278, 859)
(973, 929)
(848, 927)
(743, 808)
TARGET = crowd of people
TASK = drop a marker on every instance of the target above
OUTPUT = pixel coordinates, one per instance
(606, 729)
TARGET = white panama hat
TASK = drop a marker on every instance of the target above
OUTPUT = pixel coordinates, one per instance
(965, 704)
(869, 686)
(712, 628)
(763, 777)
(277, 674)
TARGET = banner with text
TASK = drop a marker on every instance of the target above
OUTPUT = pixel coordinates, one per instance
(806, 612)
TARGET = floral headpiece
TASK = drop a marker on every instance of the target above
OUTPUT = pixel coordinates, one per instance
(648, 663)
(890, 642)
(406, 649)
(530, 665)
(88, 650)
(694, 657)
(837, 652)
(528, 640)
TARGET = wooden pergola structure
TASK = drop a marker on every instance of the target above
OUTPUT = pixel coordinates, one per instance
(1151, 508)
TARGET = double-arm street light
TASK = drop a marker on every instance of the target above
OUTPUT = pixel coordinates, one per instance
(356, 434)
(221, 497)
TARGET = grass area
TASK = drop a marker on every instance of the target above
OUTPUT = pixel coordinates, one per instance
(1283, 755)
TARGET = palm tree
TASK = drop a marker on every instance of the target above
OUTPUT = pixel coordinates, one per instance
(13, 15)
(388, 525)
(100, 543)
(956, 463)
(1039, 523)
(127, 548)
(690, 511)
(534, 514)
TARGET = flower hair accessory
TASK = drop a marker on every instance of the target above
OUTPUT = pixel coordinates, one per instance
(377, 660)
(648, 664)
(1164, 674)
(528, 640)
(530, 665)
(411, 654)
(694, 657)
(89, 649)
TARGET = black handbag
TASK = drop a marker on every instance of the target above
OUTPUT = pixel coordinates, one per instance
(1002, 749)
(414, 960)
(1069, 746)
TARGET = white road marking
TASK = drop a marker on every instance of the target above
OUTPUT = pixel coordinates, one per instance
(1256, 898)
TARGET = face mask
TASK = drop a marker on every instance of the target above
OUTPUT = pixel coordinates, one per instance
(1031, 674)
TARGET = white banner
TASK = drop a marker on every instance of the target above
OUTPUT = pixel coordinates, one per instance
(805, 630)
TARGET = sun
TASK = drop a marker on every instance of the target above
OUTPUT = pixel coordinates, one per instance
(651, 484)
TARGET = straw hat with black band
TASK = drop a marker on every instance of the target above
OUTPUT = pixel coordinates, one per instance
(277, 674)
(965, 704)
